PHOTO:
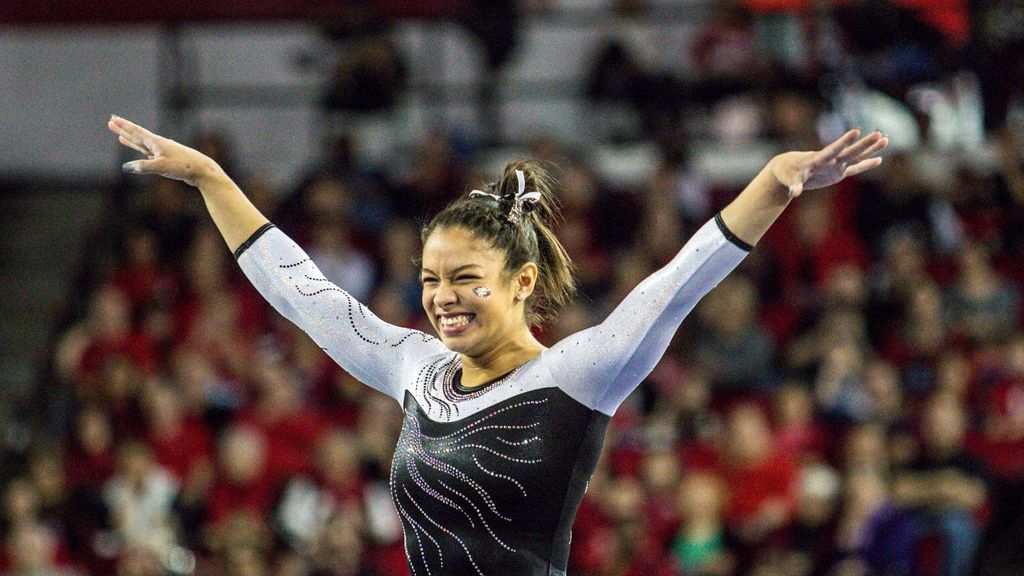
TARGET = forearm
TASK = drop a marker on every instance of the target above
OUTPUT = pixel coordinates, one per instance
(375, 352)
(622, 350)
(232, 212)
(756, 208)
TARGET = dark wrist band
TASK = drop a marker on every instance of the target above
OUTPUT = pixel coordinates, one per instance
(729, 235)
(252, 238)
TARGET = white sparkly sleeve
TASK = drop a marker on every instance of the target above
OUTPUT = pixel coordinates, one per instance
(601, 365)
(375, 352)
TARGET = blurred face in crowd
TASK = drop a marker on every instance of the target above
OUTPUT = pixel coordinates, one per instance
(328, 200)
(21, 502)
(339, 457)
(163, 408)
(109, 312)
(468, 296)
(944, 424)
(749, 435)
(954, 374)
(32, 549)
(141, 247)
(94, 433)
(660, 471)
(400, 241)
(866, 449)
(701, 496)
(242, 455)
(882, 382)
(135, 462)
(46, 470)
(622, 501)
(794, 405)
(845, 286)
(866, 492)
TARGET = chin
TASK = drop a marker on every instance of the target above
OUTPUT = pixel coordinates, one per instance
(456, 344)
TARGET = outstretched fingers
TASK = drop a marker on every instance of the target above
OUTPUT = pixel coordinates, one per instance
(134, 136)
(831, 152)
(132, 145)
(860, 148)
(862, 166)
(875, 148)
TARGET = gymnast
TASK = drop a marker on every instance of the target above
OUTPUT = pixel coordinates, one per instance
(500, 434)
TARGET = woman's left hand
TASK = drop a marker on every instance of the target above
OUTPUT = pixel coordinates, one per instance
(847, 156)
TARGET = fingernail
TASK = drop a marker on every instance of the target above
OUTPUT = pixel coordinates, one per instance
(130, 167)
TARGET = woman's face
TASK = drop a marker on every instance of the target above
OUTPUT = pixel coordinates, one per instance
(469, 298)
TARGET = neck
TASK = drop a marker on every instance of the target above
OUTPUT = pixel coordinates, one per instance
(500, 359)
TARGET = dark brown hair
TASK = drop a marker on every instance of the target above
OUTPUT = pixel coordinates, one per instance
(529, 240)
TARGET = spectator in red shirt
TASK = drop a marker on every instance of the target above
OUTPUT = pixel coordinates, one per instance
(797, 432)
(760, 478)
(181, 443)
(105, 332)
(141, 276)
(91, 456)
(243, 484)
(660, 475)
(288, 426)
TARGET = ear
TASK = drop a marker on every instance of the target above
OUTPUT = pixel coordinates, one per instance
(526, 279)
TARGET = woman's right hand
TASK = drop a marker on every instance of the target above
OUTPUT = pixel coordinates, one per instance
(163, 155)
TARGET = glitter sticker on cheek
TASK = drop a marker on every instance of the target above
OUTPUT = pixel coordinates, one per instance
(482, 291)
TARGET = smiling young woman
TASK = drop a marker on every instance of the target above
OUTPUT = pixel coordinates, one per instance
(500, 434)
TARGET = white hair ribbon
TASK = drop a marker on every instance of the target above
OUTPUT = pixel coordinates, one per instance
(521, 198)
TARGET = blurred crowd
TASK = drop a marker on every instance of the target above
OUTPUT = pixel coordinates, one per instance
(849, 402)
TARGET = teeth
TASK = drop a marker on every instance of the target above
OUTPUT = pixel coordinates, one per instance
(455, 320)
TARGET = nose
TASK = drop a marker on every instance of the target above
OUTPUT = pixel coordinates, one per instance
(444, 295)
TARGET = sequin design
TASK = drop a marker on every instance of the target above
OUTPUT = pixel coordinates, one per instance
(435, 384)
(426, 385)
(445, 476)
(448, 384)
(357, 306)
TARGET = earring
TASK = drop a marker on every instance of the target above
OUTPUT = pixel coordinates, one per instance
(520, 297)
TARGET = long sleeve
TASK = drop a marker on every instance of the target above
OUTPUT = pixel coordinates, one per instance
(375, 352)
(601, 365)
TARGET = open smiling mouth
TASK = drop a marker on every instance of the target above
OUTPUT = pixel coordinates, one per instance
(454, 325)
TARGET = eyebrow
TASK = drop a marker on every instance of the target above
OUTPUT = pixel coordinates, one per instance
(456, 271)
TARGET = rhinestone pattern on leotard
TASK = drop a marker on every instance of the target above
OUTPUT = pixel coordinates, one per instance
(435, 481)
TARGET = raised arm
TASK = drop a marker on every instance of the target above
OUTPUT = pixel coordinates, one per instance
(375, 352)
(600, 366)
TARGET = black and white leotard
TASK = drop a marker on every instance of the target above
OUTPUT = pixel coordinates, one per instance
(488, 481)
